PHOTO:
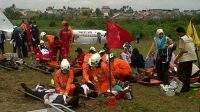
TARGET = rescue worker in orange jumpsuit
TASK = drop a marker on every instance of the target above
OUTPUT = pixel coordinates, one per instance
(88, 73)
(87, 56)
(48, 38)
(55, 46)
(63, 79)
(66, 35)
(101, 74)
(120, 68)
(103, 54)
(42, 53)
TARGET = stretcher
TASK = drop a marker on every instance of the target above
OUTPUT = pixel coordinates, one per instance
(54, 64)
(38, 67)
(151, 83)
(54, 106)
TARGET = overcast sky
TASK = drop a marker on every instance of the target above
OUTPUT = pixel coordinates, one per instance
(135, 4)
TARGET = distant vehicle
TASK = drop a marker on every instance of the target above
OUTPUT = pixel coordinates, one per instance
(5, 24)
(80, 36)
(88, 36)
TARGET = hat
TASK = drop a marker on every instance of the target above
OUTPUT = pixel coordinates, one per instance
(78, 50)
(92, 48)
(64, 22)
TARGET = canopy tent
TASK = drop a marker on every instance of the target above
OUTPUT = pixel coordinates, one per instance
(5, 23)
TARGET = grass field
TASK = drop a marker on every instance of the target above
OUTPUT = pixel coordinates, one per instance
(146, 98)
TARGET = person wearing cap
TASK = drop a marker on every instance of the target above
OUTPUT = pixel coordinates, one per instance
(159, 46)
(55, 46)
(78, 61)
(63, 79)
(92, 50)
(41, 53)
(66, 35)
(125, 54)
(120, 68)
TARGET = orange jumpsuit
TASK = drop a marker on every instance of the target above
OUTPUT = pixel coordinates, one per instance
(63, 82)
(103, 77)
(49, 39)
(88, 74)
(86, 59)
(121, 68)
(104, 57)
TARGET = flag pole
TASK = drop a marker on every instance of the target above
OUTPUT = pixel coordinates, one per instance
(110, 73)
(196, 49)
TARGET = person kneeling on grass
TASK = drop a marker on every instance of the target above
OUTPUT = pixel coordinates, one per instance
(50, 96)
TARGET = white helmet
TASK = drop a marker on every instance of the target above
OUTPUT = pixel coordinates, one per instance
(90, 62)
(111, 56)
(65, 66)
(102, 51)
(95, 59)
(92, 48)
(42, 34)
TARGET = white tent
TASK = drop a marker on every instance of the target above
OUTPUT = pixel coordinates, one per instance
(5, 24)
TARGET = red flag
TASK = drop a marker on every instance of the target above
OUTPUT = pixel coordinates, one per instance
(116, 35)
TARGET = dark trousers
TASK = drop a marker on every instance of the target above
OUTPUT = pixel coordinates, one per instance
(24, 50)
(162, 71)
(2, 48)
(184, 73)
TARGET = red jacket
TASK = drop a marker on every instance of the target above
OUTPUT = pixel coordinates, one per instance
(79, 59)
(66, 34)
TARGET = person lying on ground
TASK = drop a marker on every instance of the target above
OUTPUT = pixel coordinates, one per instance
(88, 89)
(11, 61)
(49, 96)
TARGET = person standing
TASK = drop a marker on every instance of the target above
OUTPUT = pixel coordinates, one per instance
(186, 56)
(160, 45)
(99, 37)
(28, 32)
(66, 35)
(2, 39)
(35, 35)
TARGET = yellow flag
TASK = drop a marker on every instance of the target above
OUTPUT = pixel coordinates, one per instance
(191, 31)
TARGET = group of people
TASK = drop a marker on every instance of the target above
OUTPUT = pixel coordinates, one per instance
(43, 46)
(163, 46)
(103, 70)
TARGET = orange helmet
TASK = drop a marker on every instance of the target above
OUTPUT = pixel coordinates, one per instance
(64, 22)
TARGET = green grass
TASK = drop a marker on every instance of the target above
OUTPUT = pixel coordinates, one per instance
(146, 98)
